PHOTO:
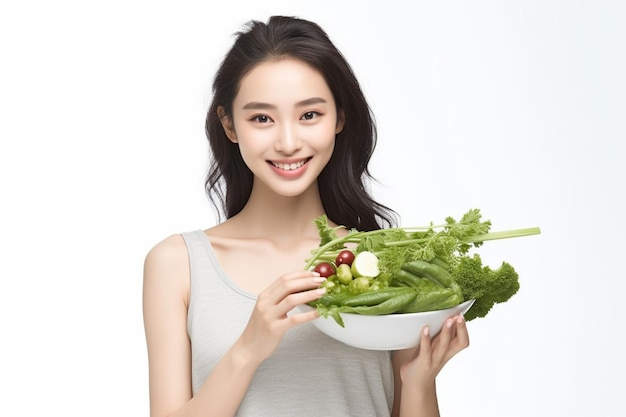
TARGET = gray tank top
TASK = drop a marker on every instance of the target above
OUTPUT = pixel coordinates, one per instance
(309, 374)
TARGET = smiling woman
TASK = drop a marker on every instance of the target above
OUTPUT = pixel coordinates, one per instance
(229, 182)
(285, 119)
(288, 119)
(514, 107)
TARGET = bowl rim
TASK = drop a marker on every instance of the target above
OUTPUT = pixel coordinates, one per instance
(465, 306)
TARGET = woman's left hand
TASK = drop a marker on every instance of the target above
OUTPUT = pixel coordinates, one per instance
(421, 366)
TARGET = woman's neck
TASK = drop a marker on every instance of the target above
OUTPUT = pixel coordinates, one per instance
(268, 215)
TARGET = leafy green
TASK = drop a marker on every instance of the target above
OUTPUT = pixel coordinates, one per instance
(484, 285)
(448, 243)
(327, 233)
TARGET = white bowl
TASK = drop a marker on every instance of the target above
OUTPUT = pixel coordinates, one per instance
(387, 332)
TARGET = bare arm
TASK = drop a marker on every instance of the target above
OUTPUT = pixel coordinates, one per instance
(166, 296)
(415, 370)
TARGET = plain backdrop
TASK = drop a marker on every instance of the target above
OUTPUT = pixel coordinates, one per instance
(514, 107)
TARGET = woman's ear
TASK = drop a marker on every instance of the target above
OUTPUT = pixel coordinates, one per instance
(227, 124)
(341, 121)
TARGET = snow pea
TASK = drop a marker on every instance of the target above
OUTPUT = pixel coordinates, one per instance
(431, 271)
(405, 278)
(389, 306)
(433, 300)
(331, 299)
(371, 298)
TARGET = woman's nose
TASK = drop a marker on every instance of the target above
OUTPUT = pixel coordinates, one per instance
(288, 141)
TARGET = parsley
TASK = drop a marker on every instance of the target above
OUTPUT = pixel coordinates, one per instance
(396, 246)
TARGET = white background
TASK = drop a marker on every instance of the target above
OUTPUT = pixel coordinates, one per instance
(517, 108)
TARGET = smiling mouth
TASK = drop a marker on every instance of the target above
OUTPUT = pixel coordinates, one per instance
(291, 166)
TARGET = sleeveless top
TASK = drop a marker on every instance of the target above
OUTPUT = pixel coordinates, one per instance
(308, 375)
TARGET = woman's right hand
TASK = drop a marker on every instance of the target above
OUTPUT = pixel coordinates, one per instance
(269, 320)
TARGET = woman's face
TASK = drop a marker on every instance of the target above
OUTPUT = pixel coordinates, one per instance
(285, 121)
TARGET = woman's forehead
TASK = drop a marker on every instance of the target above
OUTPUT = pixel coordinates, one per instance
(286, 81)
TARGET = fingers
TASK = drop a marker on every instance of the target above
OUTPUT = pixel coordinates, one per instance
(453, 338)
(291, 283)
(302, 297)
(299, 318)
(461, 339)
(443, 339)
(289, 291)
(425, 348)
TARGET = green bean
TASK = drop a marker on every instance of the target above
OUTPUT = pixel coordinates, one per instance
(398, 284)
(407, 278)
(431, 271)
(331, 299)
(389, 306)
(371, 298)
(433, 300)
(440, 262)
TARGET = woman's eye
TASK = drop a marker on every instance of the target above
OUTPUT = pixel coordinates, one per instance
(261, 118)
(310, 115)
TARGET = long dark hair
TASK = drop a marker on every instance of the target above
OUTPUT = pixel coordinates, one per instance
(344, 196)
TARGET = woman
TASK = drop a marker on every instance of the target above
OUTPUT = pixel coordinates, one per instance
(291, 135)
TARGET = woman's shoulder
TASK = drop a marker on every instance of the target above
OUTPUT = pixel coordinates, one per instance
(170, 248)
(166, 277)
(167, 257)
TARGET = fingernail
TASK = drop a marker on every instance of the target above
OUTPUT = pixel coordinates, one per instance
(460, 319)
(319, 279)
(426, 331)
(321, 290)
(449, 323)
(316, 274)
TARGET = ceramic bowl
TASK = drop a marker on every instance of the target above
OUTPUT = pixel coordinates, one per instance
(387, 332)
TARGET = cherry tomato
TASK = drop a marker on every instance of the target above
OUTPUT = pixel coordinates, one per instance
(325, 269)
(345, 257)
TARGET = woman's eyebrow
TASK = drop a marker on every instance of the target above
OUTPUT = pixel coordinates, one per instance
(311, 101)
(257, 105)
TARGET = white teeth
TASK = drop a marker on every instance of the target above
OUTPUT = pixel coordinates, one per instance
(289, 167)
